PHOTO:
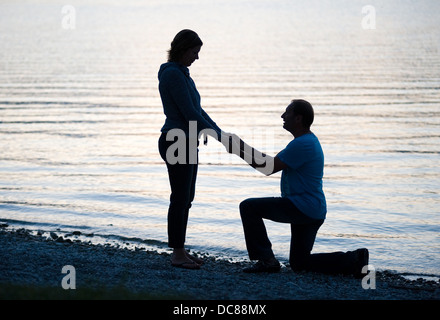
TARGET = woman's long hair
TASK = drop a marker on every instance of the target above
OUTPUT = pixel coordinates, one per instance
(184, 40)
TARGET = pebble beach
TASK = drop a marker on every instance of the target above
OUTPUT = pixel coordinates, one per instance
(37, 261)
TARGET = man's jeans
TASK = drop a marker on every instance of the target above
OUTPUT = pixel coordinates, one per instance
(303, 228)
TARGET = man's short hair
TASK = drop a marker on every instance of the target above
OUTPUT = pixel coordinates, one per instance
(305, 109)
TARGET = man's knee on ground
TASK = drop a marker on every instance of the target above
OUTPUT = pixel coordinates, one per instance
(297, 266)
(299, 262)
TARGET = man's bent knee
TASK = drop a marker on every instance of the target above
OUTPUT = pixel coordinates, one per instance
(246, 207)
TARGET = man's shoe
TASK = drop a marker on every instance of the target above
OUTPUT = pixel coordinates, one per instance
(361, 260)
(262, 266)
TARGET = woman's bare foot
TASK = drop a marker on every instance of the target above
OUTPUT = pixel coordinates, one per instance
(194, 258)
(182, 259)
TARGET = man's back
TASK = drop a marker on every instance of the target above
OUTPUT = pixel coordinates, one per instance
(301, 181)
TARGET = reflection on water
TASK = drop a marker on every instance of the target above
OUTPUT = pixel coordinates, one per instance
(80, 116)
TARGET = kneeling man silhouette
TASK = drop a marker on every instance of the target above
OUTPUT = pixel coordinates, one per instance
(302, 202)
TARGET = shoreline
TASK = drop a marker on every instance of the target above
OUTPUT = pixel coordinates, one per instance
(37, 262)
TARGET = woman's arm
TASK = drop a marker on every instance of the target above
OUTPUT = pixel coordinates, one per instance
(213, 124)
(174, 82)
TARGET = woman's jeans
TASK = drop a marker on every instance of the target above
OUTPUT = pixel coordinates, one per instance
(303, 229)
(182, 177)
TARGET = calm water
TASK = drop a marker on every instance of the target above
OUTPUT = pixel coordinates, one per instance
(80, 116)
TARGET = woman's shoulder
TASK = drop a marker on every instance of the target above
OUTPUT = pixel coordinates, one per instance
(171, 69)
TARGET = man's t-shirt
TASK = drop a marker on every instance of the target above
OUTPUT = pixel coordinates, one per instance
(301, 181)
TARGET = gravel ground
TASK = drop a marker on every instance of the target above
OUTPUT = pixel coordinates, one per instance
(37, 261)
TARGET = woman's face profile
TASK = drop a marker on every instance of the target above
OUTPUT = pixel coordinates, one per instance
(191, 55)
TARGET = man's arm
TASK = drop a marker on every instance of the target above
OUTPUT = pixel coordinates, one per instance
(260, 161)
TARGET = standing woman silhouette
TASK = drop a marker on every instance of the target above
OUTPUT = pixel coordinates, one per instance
(181, 105)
